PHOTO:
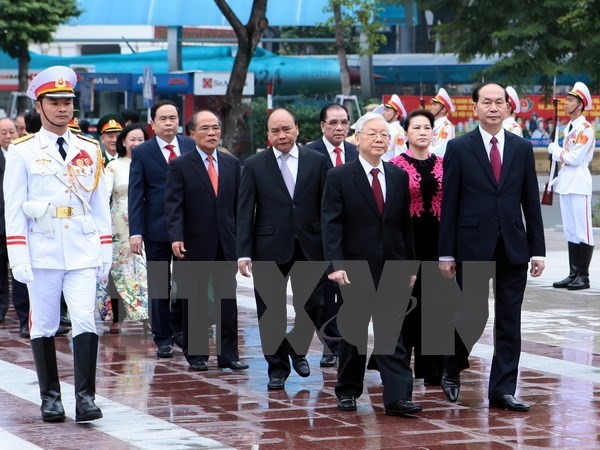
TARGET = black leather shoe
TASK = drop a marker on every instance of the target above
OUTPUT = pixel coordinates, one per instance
(300, 365)
(199, 366)
(62, 331)
(347, 403)
(328, 361)
(276, 384)
(451, 386)
(24, 332)
(509, 403)
(234, 365)
(402, 407)
(165, 351)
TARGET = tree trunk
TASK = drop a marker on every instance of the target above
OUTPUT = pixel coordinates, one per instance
(23, 77)
(340, 46)
(248, 38)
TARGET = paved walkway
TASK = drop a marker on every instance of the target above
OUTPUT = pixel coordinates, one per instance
(160, 404)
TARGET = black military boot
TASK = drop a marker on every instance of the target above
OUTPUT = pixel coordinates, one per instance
(582, 280)
(44, 355)
(85, 353)
(573, 269)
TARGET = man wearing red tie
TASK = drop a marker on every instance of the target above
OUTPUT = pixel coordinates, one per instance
(201, 196)
(489, 187)
(335, 124)
(147, 225)
(365, 216)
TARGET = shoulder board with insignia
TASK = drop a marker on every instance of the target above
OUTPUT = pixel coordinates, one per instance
(22, 139)
(89, 139)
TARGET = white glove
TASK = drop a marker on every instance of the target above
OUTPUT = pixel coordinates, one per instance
(103, 271)
(23, 273)
(554, 148)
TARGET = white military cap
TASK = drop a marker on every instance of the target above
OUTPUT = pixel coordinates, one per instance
(396, 104)
(581, 91)
(443, 98)
(55, 81)
(513, 98)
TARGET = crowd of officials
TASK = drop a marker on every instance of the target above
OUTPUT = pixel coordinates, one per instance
(107, 226)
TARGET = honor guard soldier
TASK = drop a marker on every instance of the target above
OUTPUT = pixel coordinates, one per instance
(514, 107)
(394, 112)
(443, 129)
(574, 184)
(109, 126)
(59, 237)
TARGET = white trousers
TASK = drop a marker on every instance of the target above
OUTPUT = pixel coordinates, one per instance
(79, 288)
(576, 212)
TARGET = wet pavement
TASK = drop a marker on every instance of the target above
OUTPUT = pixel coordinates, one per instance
(161, 404)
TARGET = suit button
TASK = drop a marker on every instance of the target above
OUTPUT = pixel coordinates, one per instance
(292, 225)
(66, 191)
(495, 217)
(66, 226)
(293, 205)
(64, 174)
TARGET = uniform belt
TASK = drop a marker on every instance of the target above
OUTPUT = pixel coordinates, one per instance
(64, 212)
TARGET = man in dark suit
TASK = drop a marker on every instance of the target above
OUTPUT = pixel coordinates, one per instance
(489, 185)
(8, 132)
(278, 220)
(335, 123)
(147, 224)
(366, 217)
(201, 199)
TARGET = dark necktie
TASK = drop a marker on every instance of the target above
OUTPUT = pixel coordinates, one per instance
(338, 158)
(60, 141)
(377, 191)
(172, 154)
(495, 159)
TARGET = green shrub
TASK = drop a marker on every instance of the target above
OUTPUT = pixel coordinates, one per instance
(596, 215)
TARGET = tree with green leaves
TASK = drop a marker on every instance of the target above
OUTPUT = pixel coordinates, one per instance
(353, 13)
(531, 38)
(248, 37)
(24, 22)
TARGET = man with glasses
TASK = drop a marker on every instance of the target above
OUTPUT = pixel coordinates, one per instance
(147, 224)
(365, 216)
(335, 124)
(201, 207)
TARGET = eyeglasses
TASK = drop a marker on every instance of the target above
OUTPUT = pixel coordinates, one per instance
(335, 123)
(207, 128)
(373, 135)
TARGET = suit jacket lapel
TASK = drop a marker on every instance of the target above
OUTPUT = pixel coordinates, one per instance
(478, 148)
(362, 183)
(507, 157)
(302, 169)
(157, 154)
(200, 168)
(275, 171)
(391, 187)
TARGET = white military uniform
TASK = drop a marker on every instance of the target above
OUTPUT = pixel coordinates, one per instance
(443, 131)
(57, 222)
(397, 143)
(510, 124)
(574, 181)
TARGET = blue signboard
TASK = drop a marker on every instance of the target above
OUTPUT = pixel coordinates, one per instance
(107, 81)
(165, 83)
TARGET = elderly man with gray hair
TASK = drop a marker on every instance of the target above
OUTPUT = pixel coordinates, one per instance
(365, 216)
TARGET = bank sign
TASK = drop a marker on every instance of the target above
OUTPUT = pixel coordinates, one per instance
(215, 83)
